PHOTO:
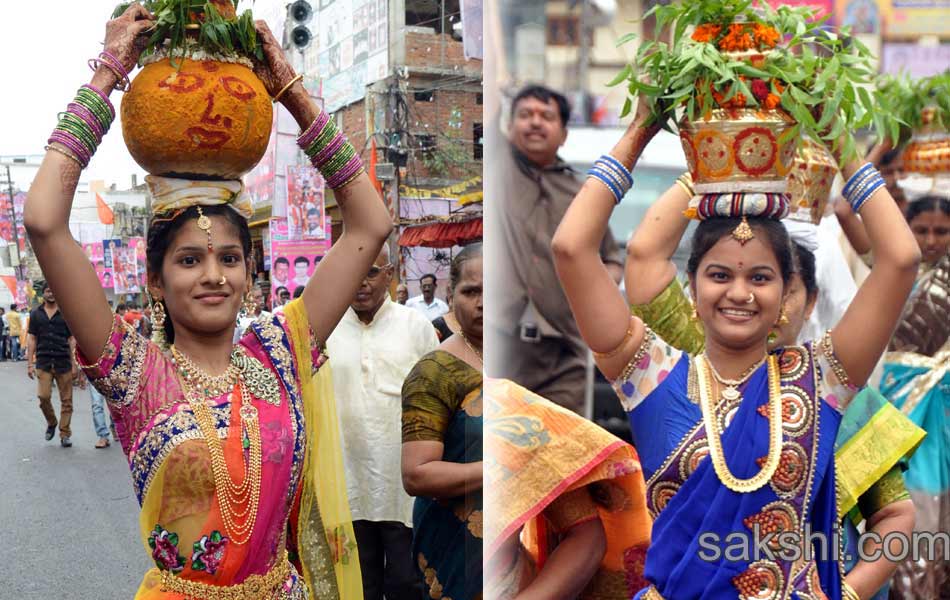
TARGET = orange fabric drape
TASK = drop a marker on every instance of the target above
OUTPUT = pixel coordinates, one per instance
(442, 235)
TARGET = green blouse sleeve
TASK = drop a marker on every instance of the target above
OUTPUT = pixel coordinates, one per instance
(429, 399)
(888, 489)
(670, 316)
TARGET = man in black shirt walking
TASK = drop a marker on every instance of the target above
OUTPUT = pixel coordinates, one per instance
(50, 348)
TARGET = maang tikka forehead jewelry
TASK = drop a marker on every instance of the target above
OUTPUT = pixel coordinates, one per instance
(204, 224)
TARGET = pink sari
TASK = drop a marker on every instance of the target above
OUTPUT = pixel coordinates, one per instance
(181, 522)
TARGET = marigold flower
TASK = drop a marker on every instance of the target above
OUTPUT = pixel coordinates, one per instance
(771, 101)
(706, 32)
(765, 36)
(737, 40)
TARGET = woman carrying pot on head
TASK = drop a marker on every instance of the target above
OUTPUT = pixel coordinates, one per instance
(874, 440)
(442, 444)
(223, 440)
(766, 472)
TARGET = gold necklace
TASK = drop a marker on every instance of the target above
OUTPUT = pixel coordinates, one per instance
(471, 347)
(238, 502)
(713, 435)
(730, 392)
(211, 386)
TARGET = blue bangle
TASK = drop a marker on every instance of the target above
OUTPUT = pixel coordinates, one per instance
(597, 174)
(858, 176)
(613, 177)
(619, 177)
(857, 194)
(628, 177)
(857, 206)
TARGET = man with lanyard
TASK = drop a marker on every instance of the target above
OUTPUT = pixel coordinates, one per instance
(50, 355)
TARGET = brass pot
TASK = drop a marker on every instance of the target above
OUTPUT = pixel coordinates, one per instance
(810, 180)
(738, 150)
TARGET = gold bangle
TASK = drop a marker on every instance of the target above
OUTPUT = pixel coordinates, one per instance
(287, 87)
(65, 153)
(619, 347)
(685, 181)
(847, 592)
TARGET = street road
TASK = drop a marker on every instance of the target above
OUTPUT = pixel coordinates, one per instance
(68, 516)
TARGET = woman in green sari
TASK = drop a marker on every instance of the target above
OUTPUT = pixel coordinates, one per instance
(442, 445)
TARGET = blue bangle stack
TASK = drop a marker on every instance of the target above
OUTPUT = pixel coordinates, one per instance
(861, 186)
(611, 172)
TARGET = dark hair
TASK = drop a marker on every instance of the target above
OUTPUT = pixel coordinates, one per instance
(428, 276)
(161, 233)
(711, 231)
(277, 291)
(281, 259)
(302, 259)
(298, 291)
(458, 262)
(121, 306)
(803, 263)
(544, 94)
(926, 204)
(13, 306)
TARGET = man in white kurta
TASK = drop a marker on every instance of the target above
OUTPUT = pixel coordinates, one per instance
(372, 350)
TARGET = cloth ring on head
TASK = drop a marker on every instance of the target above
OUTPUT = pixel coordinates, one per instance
(751, 298)
(223, 281)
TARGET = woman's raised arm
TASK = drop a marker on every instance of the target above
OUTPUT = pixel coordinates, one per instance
(865, 329)
(599, 308)
(366, 220)
(49, 202)
(651, 247)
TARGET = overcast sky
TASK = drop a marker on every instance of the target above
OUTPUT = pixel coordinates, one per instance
(44, 46)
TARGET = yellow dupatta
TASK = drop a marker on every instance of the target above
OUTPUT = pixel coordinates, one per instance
(325, 536)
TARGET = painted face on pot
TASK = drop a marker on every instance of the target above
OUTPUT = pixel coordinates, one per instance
(203, 118)
(723, 291)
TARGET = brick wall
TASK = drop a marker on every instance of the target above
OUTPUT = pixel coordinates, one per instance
(426, 50)
(450, 116)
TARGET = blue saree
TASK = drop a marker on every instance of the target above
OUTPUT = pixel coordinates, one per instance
(695, 513)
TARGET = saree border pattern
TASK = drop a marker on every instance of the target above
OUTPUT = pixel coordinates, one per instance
(790, 487)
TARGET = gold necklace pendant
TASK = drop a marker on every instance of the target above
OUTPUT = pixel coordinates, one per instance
(714, 435)
(730, 393)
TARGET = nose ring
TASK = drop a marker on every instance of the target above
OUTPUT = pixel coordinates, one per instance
(223, 281)
(751, 298)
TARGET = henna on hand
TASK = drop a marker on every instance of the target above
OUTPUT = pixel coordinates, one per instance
(127, 35)
(274, 71)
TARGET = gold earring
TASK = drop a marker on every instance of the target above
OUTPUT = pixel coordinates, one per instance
(158, 323)
(247, 307)
(782, 317)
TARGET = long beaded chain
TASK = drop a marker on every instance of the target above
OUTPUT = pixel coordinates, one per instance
(238, 502)
(714, 435)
